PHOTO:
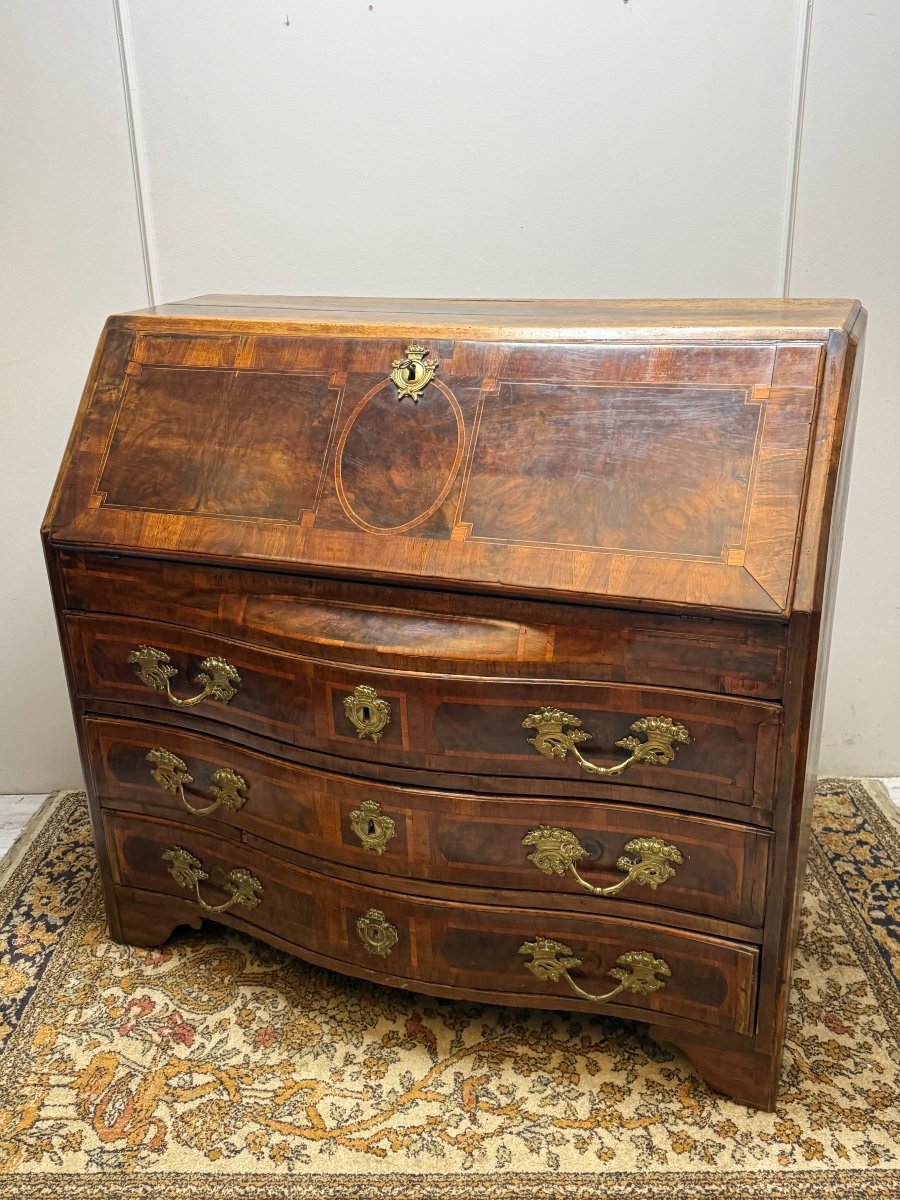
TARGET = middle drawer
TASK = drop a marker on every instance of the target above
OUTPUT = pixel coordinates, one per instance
(636, 854)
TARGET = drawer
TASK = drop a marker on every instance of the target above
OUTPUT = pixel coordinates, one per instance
(624, 967)
(411, 629)
(453, 725)
(558, 847)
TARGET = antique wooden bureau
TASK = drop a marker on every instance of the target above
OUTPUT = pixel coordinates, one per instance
(468, 647)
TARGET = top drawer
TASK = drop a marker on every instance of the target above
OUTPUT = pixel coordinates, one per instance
(412, 629)
(568, 736)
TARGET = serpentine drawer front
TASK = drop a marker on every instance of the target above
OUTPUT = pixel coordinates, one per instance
(719, 747)
(466, 646)
(430, 942)
(598, 853)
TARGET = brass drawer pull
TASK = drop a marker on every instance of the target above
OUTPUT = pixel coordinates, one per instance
(411, 375)
(636, 969)
(217, 677)
(171, 774)
(553, 741)
(188, 872)
(372, 827)
(376, 933)
(557, 850)
(367, 712)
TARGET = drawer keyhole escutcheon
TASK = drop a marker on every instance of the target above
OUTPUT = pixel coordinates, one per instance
(556, 852)
(636, 970)
(553, 740)
(376, 932)
(367, 712)
(188, 873)
(411, 375)
(218, 678)
(171, 774)
(372, 827)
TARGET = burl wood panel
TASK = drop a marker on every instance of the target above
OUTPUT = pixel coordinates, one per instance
(411, 629)
(466, 946)
(438, 835)
(669, 476)
(438, 723)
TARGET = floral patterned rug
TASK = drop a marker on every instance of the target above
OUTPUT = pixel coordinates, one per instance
(217, 1067)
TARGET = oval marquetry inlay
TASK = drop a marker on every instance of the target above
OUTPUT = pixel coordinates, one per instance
(395, 463)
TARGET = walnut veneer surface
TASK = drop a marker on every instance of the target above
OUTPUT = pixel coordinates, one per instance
(473, 647)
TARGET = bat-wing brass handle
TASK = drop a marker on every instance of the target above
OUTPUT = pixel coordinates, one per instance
(171, 774)
(556, 851)
(553, 740)
(636, 970)
(188, 872)
(218, 678)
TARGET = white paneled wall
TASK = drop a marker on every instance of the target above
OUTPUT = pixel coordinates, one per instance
(71, 253)
(459, 147)
(847, 242)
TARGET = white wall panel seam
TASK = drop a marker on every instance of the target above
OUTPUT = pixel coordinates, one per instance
(137, 143)
(805, 15)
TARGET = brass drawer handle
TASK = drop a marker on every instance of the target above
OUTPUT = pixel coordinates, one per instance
(188, 872)
(553, 741)
(171, 774)
(557, 850)
(367, 712)
(636, 969)
(217, 677)
(376, 933)
(372, 827)
(411, 375)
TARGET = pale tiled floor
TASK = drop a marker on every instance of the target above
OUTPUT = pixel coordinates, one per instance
(15, 812)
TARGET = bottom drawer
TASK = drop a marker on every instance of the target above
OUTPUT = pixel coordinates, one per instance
(510, 955)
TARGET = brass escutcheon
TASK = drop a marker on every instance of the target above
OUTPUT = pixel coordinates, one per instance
(218, 678)
(556, 852)
(367, 712)
(188, 872)
(372, 827)
(553, 741)
(376, 933)
(411, 375)
(171, 774)
(636, 969)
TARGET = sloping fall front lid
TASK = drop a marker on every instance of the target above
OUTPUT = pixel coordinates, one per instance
(658, 453)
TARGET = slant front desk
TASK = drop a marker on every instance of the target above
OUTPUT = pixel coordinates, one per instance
(471, 647)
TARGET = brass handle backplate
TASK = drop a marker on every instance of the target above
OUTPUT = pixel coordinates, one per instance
(556, 851)
(376, 933)
(171, 774)
(411, 375)
(218, 678)
(554, 741)
(636, 970)
(367, 712)
(372, 827)
(188, 872)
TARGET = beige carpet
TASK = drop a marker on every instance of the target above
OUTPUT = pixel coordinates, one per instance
(216, 1067)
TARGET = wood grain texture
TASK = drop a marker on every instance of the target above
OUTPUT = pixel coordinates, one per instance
(463, 946)
(619, 509)
(453, 838)
(685, 465)
(438, 722)
(412, 629)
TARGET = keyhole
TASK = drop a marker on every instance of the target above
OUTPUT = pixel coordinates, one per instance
(372, 829)
(366, 715)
